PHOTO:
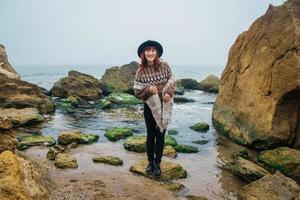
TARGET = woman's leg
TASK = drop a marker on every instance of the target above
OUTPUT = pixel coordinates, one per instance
(151, 132)
(159, 145)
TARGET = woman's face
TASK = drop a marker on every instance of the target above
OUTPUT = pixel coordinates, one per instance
(150, 54)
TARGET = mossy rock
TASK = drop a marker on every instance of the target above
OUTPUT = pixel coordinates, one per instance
(172, 131)
(169, 170)
(34, 140)
(173, 186)
(169, 151)
(170, 140)
(210, 84)
(111, 160)
(118, 133)
(189, 83)
(136, 143)
(201, 141)
(179, 89)
(71, 100)
(242, 152)
(103, 104)
(192, 197)
(284, 159)
(200, 127)
(184, 148)
(52, 153)
(65, 161)
(123, 98)
(68, 137)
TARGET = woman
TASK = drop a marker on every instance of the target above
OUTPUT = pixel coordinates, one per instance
(155, 85)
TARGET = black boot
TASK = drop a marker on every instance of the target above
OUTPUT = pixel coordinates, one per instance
(150, 167)
(157, 170)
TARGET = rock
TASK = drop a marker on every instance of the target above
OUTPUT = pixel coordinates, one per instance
(112, 160)
(23, 116)
(247, 170)
(169, 151)
(7, 141)
(69, 105)
(170, 140)
(179, 88)
(172, 131)
(65, 161)
(189, 83)
(173, 186)
(201, 141)
(20, 179)
(19, 94)
(136, 143)
(104, 104)
(242, 152)
(68, 137)
(210, 84)
(5, 67)
(184, 148)
(72, 145)
(34, 140)
(258, 100)
(5, 122)
(125, 76)
(52, 153)
(192, 197)
(79, 85)
(118, 133)
(123, 98)
(182, 99)
(170, 170)
(284, 159)
(200, 127)
(275, 187)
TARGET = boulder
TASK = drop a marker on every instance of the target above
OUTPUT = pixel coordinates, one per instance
(247, 169)
(172, 131)
(22, 116)
(170, 170)
(170, 140)
(20, 179)
(19, 94)
(169, 151)
(68, 137)
(178, 99)
(123, 98)
(34, 140)
(5, 67)
(125, 76)
(284, 159)
(179, 88)
(7, 141)
(189, 83)
(184, 148)
(173, 186)
(118, 133)
(258, 102)
(275, 187)
(111, 160)
(135, 143)
(79, 85)
(200, 127)
(65, 161)
(210, 84)
(193, 197)
(52, 153)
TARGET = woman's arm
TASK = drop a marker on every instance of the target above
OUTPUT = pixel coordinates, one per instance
(171, 87)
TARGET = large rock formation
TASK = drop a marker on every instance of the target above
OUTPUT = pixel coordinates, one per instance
(259, 95)
(15, 93)
(119, 79)
(76, 84)
(19, 179)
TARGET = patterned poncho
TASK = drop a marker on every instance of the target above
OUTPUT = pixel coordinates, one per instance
(165, 81)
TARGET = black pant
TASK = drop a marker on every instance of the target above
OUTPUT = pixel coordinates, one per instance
(155, 139)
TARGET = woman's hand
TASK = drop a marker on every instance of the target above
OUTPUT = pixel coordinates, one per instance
(153, 89)
(167, 97)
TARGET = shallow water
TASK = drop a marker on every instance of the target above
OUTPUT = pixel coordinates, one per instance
(205, 178)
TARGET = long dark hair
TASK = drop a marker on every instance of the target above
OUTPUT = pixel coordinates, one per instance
(144, 60)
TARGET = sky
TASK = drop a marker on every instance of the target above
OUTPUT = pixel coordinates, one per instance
(81, 32)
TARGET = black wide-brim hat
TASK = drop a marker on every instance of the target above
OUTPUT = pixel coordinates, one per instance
(150, 43)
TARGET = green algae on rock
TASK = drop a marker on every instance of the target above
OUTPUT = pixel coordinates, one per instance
(65, 161)
(247, 170)
(184, 148)
(103, 104)
(112, 160)
(34, 140)
(200, 127)
(170, 140)
(136, 143)
(170, 170)
(68, 137)
(52, 153)
(118, 133)
(169, 151)
(173, 186)
(284, 159)
(201, 141)
(172, 131)
(192, 197)
(123, 98)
